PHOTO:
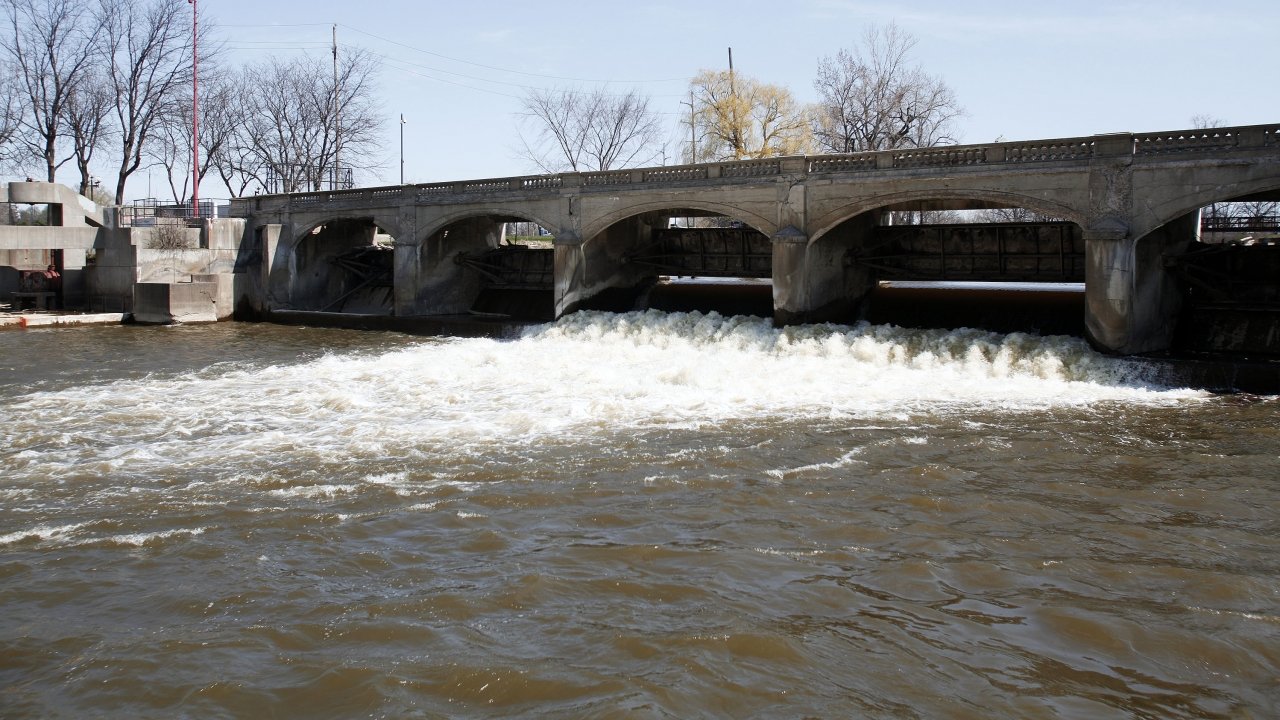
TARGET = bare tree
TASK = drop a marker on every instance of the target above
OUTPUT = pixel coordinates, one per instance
(738, 117)
(1013, 215)
(293, 134)
(87, 117)
(874, 99)
(10, 113)
(1205, 121)
(170, 147)
(148, 43)
(594, 130)
(50, 45)
(220, 121)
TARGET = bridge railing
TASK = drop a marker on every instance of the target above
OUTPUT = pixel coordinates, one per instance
(1227, 223)
(1155, 147)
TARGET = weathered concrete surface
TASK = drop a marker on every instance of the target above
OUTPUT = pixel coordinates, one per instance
(59, 320)
(14, 237)
(1129, 194)
(1132, 299)
(74, 230)
(168, 303)
(111, 277)
(67, 207)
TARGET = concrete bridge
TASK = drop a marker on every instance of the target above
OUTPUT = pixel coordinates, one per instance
(1130, 205)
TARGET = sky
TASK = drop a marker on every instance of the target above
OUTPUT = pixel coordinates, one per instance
(1021, 70)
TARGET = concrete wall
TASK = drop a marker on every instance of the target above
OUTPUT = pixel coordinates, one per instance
(72, 209)
(179, 265)
(111, 276)
(165, 303)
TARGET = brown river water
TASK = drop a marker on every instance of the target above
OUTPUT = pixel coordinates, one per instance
(627, 516)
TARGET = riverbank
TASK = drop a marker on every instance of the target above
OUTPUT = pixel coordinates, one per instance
(20, 321)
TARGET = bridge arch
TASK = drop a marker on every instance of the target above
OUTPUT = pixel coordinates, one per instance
(603, 222)
(1164, 213)
(850, 252)
(625, 252)
(441, 222)
(458, 264)
(342, 263)
(305, 225)
(820, 226)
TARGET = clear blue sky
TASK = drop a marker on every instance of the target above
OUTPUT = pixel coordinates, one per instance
(1021, 69)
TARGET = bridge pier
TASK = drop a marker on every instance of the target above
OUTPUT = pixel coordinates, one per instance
(1132, 300)
(267, 241)
(428, 280)
(570, 272)
(812, 282)
(595, 273)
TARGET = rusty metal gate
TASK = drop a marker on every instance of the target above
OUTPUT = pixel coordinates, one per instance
(707, 252)
(1004, 252)
(513, 267)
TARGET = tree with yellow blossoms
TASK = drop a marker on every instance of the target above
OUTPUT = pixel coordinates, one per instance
(738, 118)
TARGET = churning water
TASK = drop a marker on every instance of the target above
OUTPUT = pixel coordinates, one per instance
(627, 516)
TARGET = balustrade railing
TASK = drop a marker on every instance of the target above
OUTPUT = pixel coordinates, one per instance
(685, 172)
(1047, 151)
(842, 163)
(1186, 141)
(939, 156)
(541, 183)
(751, 168)
(607, 178)
(1151, 146)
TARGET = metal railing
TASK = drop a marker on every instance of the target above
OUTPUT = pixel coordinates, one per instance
(149, 212)
(1228, 223)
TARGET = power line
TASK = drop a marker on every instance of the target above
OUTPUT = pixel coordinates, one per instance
(439, 79)
(462, 61)
(522, 86)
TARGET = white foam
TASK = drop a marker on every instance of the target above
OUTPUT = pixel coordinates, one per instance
(43, 533)
(589, 373)
(151, 538)
(844, 461)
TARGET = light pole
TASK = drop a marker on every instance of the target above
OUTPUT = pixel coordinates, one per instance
(401, 148)
(195, 110)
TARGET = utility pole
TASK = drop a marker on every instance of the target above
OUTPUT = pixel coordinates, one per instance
(733, 105)
(401, 148)
(195, 109)
(693, 130)
(337, 111)
(732, 92)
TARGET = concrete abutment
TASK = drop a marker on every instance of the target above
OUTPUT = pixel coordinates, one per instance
(1132, 298)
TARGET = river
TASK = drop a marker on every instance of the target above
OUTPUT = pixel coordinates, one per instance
(650, 515)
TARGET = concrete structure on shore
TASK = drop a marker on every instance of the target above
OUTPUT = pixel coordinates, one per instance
(106, 267)
(1134, 202)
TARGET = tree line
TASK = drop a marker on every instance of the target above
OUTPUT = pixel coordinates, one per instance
(110, 83)
(869, 98)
